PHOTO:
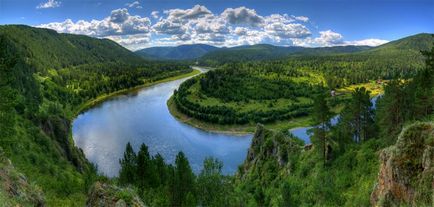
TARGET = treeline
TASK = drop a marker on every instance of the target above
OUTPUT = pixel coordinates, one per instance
(226, 115)
(44, 78)
(341, 166)
(161, 184)
(403, 101)
(245, 83)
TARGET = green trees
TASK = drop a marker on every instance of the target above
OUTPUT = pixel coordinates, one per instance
(211, 184)
(392, 108)
(357, 119)
(184, 182)
(127, 173)
(321, 117)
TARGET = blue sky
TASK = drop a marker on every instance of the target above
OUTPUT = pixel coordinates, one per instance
(228, 23)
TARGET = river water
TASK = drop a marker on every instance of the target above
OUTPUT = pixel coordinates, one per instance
(303, 132)
(143, 117)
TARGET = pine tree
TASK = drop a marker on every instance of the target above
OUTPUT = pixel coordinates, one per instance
(211, 186)
(144, 168)
(358, 116)
(423, 88)
(183, 180)
(128, 164)
(393, 108)
(321, 117)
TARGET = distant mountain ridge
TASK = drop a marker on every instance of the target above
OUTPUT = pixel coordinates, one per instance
(181, 52)
(204, 53)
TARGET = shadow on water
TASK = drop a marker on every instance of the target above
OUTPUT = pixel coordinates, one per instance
(303, 132)
(142, 117)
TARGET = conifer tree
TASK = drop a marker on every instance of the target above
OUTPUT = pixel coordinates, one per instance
(183, 181)
(321, 117)
(128, 164)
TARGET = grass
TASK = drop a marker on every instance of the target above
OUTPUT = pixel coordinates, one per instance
(103, 97)
(253, 105)
(235, 129)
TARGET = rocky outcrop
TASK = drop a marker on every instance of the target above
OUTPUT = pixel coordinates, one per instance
(106, 195)
(406, 174)
(269, 146)
(14, 188)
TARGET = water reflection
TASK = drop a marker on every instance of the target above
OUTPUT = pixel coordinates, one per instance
(303, 132)
(142, 117)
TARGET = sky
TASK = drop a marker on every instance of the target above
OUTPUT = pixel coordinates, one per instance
(138, 24)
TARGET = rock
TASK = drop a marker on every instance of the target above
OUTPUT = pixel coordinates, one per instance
(14, 188)
(406, 174)
(107, 195)
(268, 146)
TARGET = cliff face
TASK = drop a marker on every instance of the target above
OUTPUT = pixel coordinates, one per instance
(105, 195)
(269, 146)
(14, 188)
(406, 174)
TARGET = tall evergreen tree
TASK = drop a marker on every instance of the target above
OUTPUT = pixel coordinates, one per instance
(423, 88)
(321, 118)
(144, 168)
(211, 186)
(127, 174)
(183, 181)
(393, 108)
(357, 119)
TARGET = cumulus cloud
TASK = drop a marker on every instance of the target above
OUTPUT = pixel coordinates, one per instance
(232, 27)
(135, 4)
(49, 4)
(329, 38)
(367, 42)
(184, 14)
(120, 22)
(242, 15)
(155, 14)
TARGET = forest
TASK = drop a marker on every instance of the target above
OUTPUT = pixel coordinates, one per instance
(43, 86)
(338, 169)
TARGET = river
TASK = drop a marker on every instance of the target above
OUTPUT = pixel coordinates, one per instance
(303, 132)
(143, 117)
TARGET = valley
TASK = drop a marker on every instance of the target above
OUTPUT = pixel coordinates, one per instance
(85, 121)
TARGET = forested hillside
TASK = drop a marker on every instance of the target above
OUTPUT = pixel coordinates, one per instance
(357, 64)
(271, 52)
(44, 79)
(181, 52)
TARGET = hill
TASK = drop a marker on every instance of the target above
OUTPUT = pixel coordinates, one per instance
(182, 52)
(269, 52)
(49, 48)
(45, 79)
(408, 46)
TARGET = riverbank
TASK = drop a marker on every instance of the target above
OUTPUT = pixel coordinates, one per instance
(93, 102)
(235, 129)
(281, 125)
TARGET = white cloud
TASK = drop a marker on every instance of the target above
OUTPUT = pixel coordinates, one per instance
(155, 14)
(135, 4)
(196, 12)
(49, 4)
(301, 18)
(232, 27)
(367, 42)
(120, 22)
(329, 38)
(242, 16)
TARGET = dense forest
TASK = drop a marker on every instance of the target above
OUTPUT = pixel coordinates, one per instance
(44, 79)
(339, 168)
(243, 92)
